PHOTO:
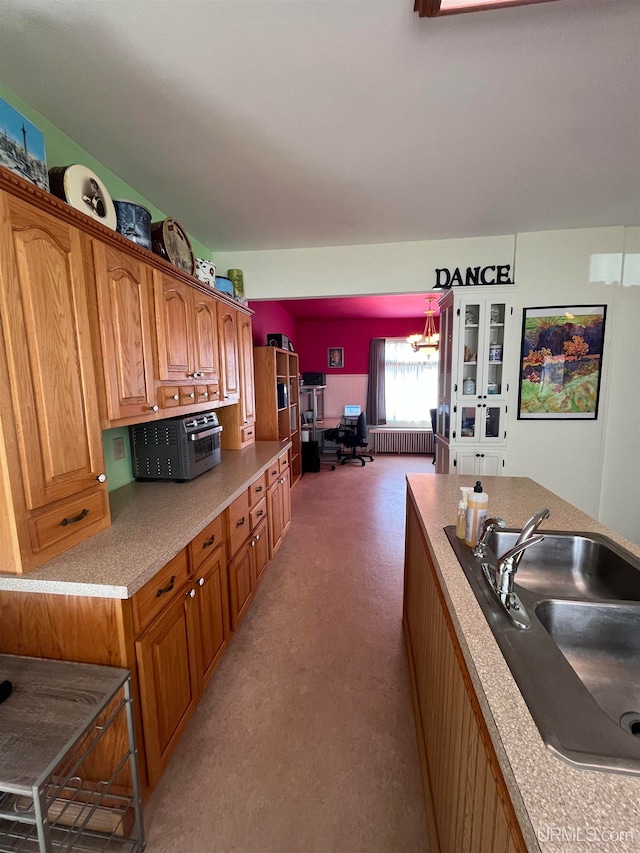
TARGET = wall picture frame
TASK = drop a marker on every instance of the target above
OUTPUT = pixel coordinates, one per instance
(22, 146)
(561, 362)
(335, 357)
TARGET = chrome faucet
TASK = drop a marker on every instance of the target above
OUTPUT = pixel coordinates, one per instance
(532, 525)
(508, 566)
(488, 526)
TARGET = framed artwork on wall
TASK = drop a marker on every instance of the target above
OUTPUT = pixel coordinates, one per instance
(561, 362)
(335, 357)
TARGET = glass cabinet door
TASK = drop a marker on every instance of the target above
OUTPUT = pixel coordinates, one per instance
(495, 348)
(470, 340)
(481, 422)
(482, 344)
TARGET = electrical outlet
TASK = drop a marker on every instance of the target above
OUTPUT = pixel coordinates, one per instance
(118, 448)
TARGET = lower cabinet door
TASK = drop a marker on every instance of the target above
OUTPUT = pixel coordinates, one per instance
(259, 544)
(212, 597)
(241, 584)
(168, 678)
(275, 516)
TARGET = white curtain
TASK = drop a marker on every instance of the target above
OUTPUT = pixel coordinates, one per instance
(411, 384)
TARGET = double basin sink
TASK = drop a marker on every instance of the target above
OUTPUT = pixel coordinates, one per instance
(578, 665)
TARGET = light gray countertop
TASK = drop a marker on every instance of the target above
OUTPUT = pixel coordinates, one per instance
(560, 808)
(150, 523)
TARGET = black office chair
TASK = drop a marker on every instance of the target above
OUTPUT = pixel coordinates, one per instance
(351, 437)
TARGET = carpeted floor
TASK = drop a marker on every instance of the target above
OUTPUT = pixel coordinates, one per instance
(305, 740)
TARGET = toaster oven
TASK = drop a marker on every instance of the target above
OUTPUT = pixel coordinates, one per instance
(178, 448)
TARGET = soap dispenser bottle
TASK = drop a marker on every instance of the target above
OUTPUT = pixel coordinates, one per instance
(477, 503)
(461, 520)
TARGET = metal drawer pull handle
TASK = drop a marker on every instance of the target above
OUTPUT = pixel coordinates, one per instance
(191, 395)
(200, 581)
(153, 408)
(241, 522)
(174, 397)
(166, 588)
(260, 513)
(259, 489)
(191, 593)
(253, 543)
(197, 375)
(83, 514)
(209, 541)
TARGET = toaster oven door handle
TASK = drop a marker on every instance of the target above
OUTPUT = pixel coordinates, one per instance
(196, 436)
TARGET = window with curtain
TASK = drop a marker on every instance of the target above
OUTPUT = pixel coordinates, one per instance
(411, 384)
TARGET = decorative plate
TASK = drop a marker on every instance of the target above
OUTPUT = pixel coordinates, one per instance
(83, 189)
(170, 241)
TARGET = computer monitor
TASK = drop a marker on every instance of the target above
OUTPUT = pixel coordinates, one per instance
(351, 411)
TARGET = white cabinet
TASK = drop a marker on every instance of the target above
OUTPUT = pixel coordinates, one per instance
(476, 354)
(479, 463)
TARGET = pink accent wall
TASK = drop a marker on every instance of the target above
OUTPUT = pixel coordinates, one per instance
(317, 336)
(269, 318)
(312, 338)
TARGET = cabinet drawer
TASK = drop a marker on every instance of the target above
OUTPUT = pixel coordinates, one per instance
(283, 463)
(187, 395)
(239, 522)
(257, 490)
(68, 518)
(206, 542)
(207, 393)
(258, 513)
(273, 472)
(157, 592)
(168, 396)
(247, 433)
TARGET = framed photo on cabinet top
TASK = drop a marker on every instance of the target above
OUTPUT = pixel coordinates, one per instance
(561, 362)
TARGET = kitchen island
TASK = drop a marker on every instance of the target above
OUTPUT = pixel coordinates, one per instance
(497, 787)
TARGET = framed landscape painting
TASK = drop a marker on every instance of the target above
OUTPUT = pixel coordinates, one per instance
(561, 362)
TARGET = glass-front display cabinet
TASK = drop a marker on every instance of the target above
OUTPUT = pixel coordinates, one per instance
(475, 360)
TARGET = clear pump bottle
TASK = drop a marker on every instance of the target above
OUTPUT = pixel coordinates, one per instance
(461, 520)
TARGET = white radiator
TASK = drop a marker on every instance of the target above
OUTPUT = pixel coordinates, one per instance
(402, 440)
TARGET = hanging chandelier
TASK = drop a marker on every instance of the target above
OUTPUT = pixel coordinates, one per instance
(429, 339)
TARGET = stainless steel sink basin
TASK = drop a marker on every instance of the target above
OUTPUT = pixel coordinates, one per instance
(601, 642)
(574, 565)
(578, 665)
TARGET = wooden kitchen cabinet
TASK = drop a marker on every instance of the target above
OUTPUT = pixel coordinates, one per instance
(278, 503)
(238, 420)
(466, 799)
(208, 561)
(229, 360)
(166, 656)
(122, 333)
(52, 492)
(186, 326)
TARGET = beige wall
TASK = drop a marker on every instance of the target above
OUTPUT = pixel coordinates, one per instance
(593, 464)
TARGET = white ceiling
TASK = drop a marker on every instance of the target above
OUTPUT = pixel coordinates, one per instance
(297, 123)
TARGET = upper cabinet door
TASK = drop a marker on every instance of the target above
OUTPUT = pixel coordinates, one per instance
(123, 294)
(205, 356)
(45, 326)
(228, 331)
(245, 344)
(173, 327)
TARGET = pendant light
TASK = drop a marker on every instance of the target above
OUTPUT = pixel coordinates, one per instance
(429, 340)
